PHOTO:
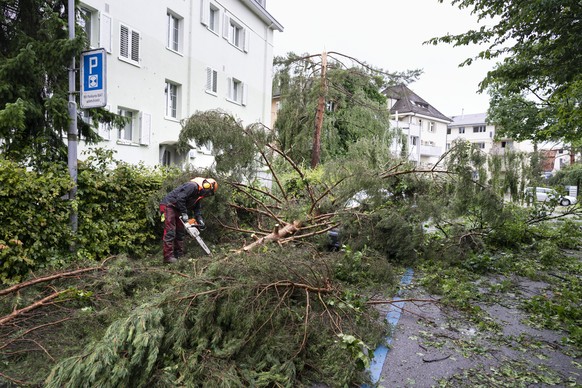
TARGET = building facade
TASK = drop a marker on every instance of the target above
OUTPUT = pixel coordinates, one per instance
(168, 59)
(420, 123)
(475, 129)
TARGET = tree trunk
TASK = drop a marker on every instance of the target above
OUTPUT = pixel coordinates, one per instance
(316, 151)
(276, 234)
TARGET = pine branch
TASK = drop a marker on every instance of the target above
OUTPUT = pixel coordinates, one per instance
(32, 282)
(19, 382)
(35, 305)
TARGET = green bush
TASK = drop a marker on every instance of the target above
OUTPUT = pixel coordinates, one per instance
(116, 204)
(115, 207)
(35, 218)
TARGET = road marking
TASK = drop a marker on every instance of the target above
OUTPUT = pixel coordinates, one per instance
(392, 317)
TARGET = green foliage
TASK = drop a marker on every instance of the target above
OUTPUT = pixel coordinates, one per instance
(513, 230)
(358, 350)
(34, 218)
(387, 231)
(117, 205)
(455, 284)
(114, 200)
(234, 146)
(356, 108)
(568, 176)
(365, 268)
(257, 320)
(125, 356)
(537, 88)
(562, 309)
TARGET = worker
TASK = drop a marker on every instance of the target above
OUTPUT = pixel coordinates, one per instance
(175, 208)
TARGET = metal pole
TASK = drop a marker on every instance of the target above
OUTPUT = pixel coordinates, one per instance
(72, 135)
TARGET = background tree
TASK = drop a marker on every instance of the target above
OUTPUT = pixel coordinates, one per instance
(536, 90)
(354, 105)
(35, 53)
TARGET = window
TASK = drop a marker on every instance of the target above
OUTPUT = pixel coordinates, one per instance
(235, 33)
(174, 32)
(213, 15)
(166, 158)
(431, 126)
(128, 44)
(236, 91)
(126, 133)
(210, 16)
(480, 145)
(211, 80)
(479, 128)
(171, 94)
(87, 19)
(448, 131)
(413, 140)
(448, 146)
(461, 130)
(86, 116)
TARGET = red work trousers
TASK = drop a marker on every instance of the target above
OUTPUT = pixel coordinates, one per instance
(174, 232)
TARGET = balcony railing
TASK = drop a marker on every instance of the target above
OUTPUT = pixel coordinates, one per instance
(431, 151)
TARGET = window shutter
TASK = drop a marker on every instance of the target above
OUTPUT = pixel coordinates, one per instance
(226, 28)
(229, 81)
(204, 12)
(105, 32)
(145, 128)
(214, 81)
(244, 94)
(135, 46)
(124, 41)
(247, 38)
(208, 78)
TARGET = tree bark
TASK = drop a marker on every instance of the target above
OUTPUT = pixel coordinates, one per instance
(275, 235)
(316, 151)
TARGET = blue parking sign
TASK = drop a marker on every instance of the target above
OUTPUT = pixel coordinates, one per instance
(93, 81)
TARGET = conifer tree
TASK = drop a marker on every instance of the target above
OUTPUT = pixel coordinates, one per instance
(35, 54)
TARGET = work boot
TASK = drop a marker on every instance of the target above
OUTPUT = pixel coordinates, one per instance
(170, 260)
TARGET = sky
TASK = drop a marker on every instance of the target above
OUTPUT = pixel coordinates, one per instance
(389, 34)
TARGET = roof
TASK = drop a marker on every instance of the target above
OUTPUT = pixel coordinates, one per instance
(470, 119)
(262, 13)
(409, 102)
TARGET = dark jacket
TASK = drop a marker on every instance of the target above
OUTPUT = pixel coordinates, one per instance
(185, 198)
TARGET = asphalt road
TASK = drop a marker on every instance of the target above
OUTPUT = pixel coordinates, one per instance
(432, 346)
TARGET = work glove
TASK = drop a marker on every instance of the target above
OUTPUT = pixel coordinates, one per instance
(200, 223)
(184, 217)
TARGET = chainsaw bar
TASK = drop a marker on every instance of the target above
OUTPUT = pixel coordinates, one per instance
(194, 232)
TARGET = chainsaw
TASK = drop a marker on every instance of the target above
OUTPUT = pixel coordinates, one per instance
(192, 229)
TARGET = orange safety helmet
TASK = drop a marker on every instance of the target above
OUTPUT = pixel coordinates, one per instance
(208, 185)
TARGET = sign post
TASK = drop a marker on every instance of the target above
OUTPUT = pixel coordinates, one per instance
(93, 79)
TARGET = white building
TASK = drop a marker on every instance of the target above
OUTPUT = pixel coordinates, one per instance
(168, 59)
(475, 129)
(423, 125)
